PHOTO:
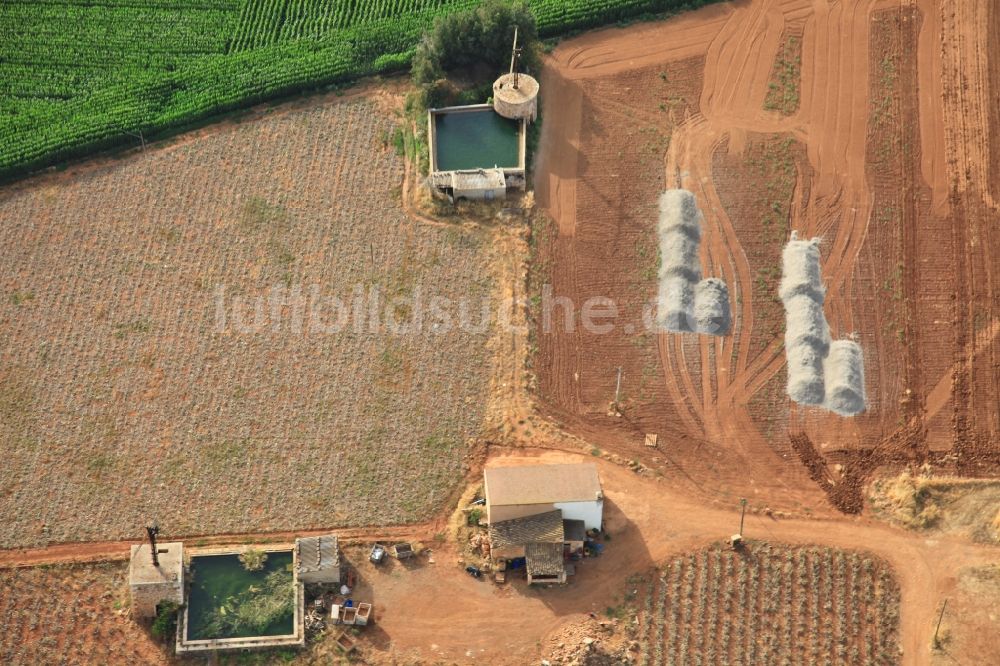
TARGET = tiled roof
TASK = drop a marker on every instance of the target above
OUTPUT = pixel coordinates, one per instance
(544, 559)
(542, 527)
(317, 553)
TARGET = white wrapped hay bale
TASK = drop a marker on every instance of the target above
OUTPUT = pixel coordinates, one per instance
(805, 375)
(844, 371)
(675, 305)
(711, 307)
(679, 256)
(679, 211)
(805, 324)
(800, 270)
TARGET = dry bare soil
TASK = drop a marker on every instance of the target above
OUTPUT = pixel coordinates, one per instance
(968, 631)
(130, 391)
(859, 122)
(72, 614)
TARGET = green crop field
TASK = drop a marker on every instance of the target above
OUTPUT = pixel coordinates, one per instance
(80, 76)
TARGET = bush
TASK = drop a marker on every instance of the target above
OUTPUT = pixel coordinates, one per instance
(165, 622)
(253, 559)
(474, 516)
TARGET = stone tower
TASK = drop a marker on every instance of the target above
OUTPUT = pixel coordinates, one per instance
(150, 584)
(515, 96)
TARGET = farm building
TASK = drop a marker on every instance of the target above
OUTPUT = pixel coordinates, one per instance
(151, 584)
(544, 562)
(540, 514)
(318, 559)
(508, 538)
(516, 492)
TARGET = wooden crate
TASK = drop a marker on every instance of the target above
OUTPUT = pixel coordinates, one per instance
(652, 439)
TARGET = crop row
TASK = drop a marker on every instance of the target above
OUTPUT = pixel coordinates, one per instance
(771, 604)
(115, 311)
(265, 22)
(162, 92)
(40, 628)
(66, 51)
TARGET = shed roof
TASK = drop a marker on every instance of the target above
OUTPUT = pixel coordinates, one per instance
(574, 530)
(317, 553)
(542, 484)
(542, 527)
(478, 179)
(544, 559)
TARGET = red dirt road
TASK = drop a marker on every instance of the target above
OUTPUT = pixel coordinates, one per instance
(894, 175)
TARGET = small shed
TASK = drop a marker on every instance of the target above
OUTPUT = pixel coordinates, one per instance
(479, 184)
(152, 584)
(544, 563)
(318, 559)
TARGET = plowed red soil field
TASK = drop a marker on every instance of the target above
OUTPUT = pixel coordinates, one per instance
(865, 123)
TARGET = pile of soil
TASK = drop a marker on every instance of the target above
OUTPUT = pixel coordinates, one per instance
(591, 642)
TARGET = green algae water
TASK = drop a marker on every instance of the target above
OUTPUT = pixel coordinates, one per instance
(227, 601)
(476, 140)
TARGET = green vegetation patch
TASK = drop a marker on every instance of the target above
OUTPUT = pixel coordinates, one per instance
(77, 78)
(783, 90)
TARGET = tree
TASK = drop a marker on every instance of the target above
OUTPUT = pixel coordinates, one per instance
(477, 39)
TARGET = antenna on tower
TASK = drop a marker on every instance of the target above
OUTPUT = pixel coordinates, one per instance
(515, 57)
(153, 531)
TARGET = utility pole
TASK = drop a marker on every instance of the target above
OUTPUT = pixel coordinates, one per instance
(515, 52)
(152, 531)
(938, 627)
(618, 388)
(737, 539)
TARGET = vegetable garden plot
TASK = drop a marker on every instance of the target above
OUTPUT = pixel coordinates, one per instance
(770, 604)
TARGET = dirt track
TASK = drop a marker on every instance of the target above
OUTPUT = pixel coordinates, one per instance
(895, 179)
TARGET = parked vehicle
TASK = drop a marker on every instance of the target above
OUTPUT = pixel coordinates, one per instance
(473, 571)
(378, 554)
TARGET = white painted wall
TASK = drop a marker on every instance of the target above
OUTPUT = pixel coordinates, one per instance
(589, 512)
